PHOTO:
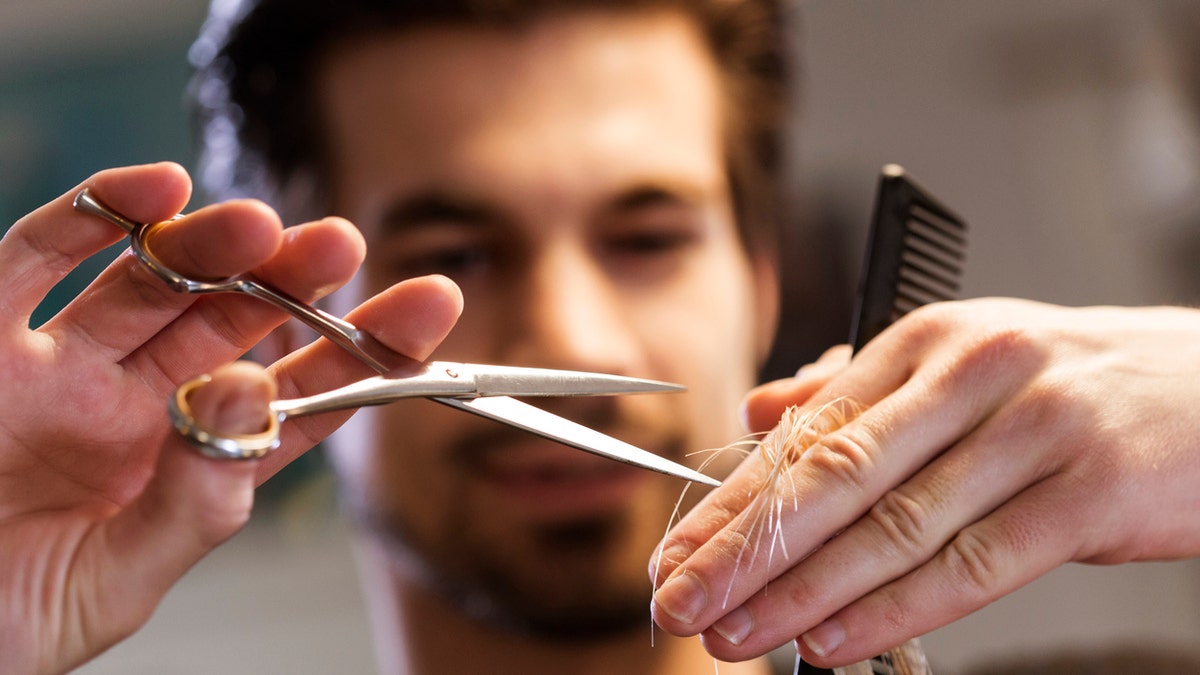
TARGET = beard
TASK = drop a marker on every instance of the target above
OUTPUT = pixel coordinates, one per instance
(571, 580)
(567, 598)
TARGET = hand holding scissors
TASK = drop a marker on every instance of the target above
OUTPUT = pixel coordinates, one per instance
(102, 507)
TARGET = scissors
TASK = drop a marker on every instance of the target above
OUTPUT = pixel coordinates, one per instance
(483, 390)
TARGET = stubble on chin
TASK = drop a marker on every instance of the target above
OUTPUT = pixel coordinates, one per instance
(560, 586)
(581, 579)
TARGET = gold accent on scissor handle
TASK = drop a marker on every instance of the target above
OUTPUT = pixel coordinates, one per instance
(216, 444)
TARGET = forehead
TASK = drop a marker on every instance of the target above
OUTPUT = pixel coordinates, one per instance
(582, 100)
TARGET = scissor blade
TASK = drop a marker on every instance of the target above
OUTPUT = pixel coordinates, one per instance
(548, 425)
(516, 381)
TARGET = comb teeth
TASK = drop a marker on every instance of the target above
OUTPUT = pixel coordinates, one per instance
(915, 255)
(931, 261)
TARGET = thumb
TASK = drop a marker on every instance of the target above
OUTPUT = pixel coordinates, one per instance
(762, 406)
(189, 506)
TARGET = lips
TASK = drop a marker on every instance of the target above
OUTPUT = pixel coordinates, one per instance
(551, 480)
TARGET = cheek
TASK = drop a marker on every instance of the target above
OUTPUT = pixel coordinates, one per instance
(705, 319)
(387, 458)
(703, 335)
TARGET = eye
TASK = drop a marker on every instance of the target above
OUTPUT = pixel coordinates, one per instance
(652, 241)
(451, 262)
(646, 247)
(654, 231)
(459, 253)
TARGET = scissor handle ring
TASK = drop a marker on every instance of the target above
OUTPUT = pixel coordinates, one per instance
(212, 443)
(139, 243)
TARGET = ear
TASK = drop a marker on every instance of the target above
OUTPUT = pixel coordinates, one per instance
(766, 301)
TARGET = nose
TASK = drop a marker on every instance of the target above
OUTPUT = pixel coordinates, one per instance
(572, 314)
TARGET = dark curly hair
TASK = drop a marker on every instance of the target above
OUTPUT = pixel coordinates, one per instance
(258, 124)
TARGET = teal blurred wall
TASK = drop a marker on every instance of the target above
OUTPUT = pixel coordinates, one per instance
(63, 119)
(69, 109)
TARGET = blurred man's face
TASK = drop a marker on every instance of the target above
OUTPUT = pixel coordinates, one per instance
(571, 179)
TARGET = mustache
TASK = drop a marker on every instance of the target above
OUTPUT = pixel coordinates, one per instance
(477, 441)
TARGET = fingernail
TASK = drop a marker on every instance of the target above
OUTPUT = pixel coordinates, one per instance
(743, 412)
(816, 369)
(825, 638)
(804, 370)
(682, 597)
(735, 626)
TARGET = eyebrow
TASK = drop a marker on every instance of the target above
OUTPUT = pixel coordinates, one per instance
(424, 208)
(648, 195)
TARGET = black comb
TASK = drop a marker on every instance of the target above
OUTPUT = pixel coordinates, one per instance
(915, 255)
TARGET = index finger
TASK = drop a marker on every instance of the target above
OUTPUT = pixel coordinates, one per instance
(128, 304)
(42, 247)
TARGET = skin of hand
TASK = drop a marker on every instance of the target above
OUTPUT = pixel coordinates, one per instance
(102, 507)
(999, 439)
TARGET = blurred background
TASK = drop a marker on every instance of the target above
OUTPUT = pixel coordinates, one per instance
(1066, 132)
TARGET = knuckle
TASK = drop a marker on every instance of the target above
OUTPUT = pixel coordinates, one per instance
(974, 331)
(848, 455)
(732, 545)
(224, 323)
(988, 353)
(48, 250)
(1009, 348)
(150, 289)
(936, 324)
(1044, 406)
(930, 322)
(1048, 409)
(895, 613)
(903, 520)
(799, 591)
(717, 514)
(972, 563)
